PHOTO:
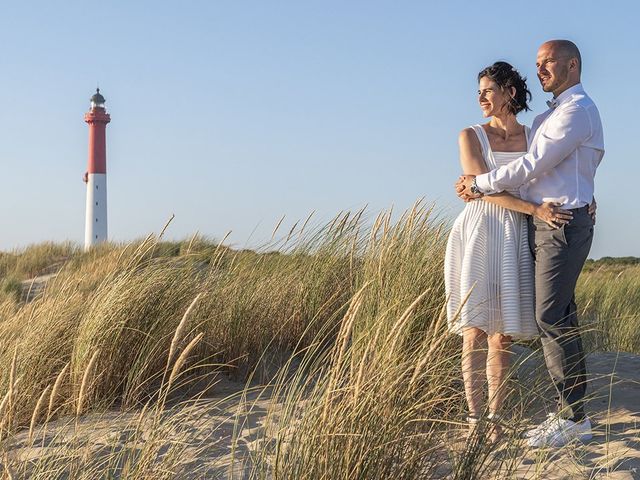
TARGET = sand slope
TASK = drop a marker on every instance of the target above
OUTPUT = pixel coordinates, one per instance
(614, 452)
(614, 408)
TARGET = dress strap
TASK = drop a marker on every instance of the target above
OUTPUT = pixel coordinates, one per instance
(527, 132)
(486, 147)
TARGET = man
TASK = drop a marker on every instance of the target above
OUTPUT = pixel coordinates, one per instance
(566, 147)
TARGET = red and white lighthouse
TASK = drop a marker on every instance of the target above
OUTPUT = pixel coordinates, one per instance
(96, 176)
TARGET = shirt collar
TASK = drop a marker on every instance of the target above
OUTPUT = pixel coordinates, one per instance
(577, 88)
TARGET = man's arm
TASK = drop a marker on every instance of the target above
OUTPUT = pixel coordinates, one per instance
(472, 162)
(561, 136)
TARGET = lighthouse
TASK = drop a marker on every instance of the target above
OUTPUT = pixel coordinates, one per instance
(96, 176)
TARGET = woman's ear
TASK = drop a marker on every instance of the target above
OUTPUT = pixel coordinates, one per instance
(512, 92)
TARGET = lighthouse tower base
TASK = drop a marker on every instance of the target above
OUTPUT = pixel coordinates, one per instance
(96, 216)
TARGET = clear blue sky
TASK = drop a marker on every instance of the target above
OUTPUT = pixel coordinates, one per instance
(232, 114)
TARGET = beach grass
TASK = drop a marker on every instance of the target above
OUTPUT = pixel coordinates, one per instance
(336, 331)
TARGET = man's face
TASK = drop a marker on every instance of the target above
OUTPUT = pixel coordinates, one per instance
(553, 69)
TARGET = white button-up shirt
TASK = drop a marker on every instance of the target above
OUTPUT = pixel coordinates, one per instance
(566, 146)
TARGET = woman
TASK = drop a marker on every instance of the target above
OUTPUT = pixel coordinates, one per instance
(488, 265)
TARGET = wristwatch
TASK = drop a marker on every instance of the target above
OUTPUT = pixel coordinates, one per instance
(474, 187)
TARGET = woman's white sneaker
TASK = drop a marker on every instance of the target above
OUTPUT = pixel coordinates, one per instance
(560, 432)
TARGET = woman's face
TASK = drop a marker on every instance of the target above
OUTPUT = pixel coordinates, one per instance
(493, 100)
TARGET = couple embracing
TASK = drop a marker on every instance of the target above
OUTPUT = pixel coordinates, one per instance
(515, 252)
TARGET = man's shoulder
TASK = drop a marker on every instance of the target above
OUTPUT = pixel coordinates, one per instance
(582, 106)
(579, 108)
(576, 107)
(580, 100)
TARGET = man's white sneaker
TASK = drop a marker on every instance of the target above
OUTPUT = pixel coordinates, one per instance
(561, 432)
(542, 427)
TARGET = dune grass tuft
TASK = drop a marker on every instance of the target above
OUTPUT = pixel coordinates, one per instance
(338, 330)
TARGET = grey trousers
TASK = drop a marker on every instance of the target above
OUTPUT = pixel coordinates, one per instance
(559, 257)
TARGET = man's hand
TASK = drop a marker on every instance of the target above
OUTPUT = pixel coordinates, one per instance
(552, 214)
(463, 188)
(592, 210)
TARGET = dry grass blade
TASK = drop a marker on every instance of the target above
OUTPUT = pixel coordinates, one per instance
(166, 225)
(396, 330)
(36, 411)
(141, 417)
(7, 402)
(85, 382)
(54, 390)
(387, 222)
(376, 226)
(273, 234)
(304, 225)
(343, 222)
(373, 343)
(194, 237)
(355, 221)
(182, 358)
(8, 474)
(220, 246)
(333, 222)
(407, 313)
(347, 322)
(292, 230)
(177, 336)
(464, 301)
(3, 405)
(435, 341)
(12, 374)
(343, 338)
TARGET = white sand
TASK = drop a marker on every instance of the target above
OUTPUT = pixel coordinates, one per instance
(614, 408)
(613, 453)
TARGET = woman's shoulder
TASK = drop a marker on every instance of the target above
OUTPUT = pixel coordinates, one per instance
(470, 129)
(469, 136)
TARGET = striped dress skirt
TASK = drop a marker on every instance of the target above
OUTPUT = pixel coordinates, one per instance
(489, 272)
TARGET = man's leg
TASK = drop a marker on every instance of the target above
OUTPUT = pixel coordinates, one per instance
(559, 257)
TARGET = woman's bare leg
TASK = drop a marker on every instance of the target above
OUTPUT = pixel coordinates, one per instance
(474, 358)
(498, 360)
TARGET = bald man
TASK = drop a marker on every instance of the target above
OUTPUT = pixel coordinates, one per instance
(566, 146)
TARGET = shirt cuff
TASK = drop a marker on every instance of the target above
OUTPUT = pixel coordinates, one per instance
(482, 182)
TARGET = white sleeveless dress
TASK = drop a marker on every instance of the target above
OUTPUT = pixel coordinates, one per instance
(488, 258)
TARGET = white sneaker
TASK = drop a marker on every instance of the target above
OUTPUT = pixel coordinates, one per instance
(542, 427)
(560, 432)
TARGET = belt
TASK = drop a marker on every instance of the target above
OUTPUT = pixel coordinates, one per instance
(584, 208)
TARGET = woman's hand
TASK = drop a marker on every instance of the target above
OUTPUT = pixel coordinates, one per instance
(552, 214)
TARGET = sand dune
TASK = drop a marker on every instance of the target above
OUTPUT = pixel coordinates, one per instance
(614, 452)
(614, 408)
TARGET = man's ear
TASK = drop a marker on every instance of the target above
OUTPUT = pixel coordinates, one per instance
(573, 63)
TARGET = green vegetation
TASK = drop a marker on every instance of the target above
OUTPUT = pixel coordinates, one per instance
(36, 259)
(11, 289)
(339, 329)
(591, 264)
(609, 300)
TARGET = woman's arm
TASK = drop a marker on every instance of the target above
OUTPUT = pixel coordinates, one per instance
(472, 163)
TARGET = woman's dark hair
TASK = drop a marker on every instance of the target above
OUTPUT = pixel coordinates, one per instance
(506, 77)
